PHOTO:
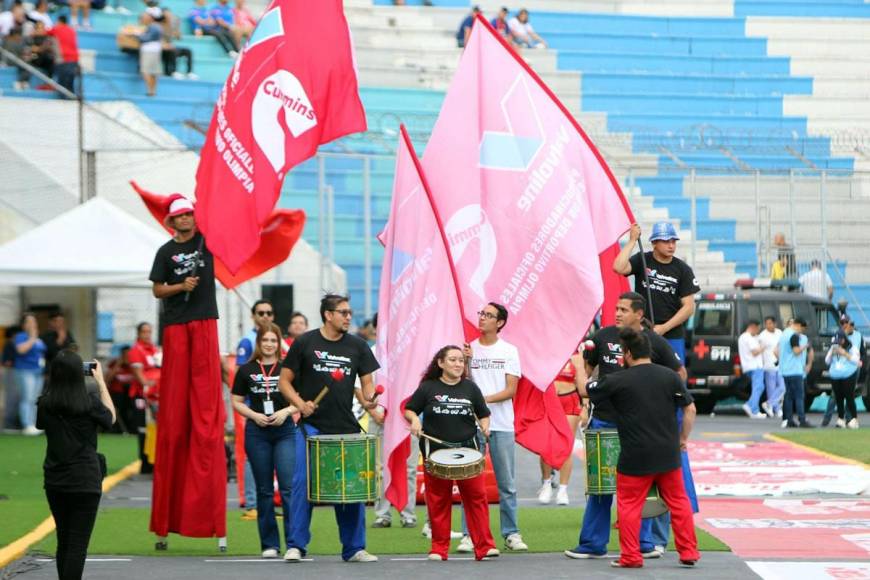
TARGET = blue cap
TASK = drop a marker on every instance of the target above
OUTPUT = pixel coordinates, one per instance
(663, 231)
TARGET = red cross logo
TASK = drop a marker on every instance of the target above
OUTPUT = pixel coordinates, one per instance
(701, 349)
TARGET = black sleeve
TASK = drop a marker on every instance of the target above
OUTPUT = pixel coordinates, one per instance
(682, 397)
(636, 265)
(40, 417)
(293, 360)
(159, 272)
(795, 340)
(240, 382)
(367, 361)
(101, 415)
(664, 354)
(688, 282)
(601, 389)
(592, 355)
(417, 402)
(480, 407)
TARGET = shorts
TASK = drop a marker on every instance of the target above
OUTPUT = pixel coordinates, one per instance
(150, 63)
(570, 403)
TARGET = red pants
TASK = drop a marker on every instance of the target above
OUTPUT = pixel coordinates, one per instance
(631, 492)
(439, 502)
(189, 494)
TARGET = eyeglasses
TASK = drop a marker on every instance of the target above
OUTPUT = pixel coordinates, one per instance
(487, 315)
(264, 313)
(346, 313)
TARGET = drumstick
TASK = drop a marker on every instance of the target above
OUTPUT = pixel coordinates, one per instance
(320, 395)
(435, 439)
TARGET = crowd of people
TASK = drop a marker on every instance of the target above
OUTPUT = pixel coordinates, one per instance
(516, 30)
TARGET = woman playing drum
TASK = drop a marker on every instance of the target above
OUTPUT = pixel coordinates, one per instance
(270, 434)
(451, 406)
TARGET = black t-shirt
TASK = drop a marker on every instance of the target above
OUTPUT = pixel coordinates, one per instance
(606, 354)
(173, 263)
(52, 348)
(259, 383)
(646, 398)
(71, 462)
(312, 359)
(669, 284)
(448, 411)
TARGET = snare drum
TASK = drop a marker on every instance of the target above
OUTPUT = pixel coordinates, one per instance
(343, 468)
(454, 464)
(602, 455)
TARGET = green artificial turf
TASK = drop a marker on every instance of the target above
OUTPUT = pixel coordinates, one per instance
(22, 499)
(853, 444)
(125, 531)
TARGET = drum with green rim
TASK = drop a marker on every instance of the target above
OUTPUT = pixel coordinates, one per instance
(602, 455)
(343, 468)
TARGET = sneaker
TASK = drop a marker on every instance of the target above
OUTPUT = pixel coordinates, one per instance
(651, 555)
(660, 549)
(562, 496)
(806, 425)
(514, 542)
(575, 555)
(426, 532)
(747, 410)
(826, 421)
(249, 515)
(409, 523)
(492, 553)
(234, 54)
(270, 553)
(765, 406)
(363, 556)
(778, 413)
(293, 555)
(840, 424)
(759, 416)
(688, 563)
(192, 76)
(455, 535)
(178, 75)
(31, 431)
(382, 522)
(465, 546)
(435, 557)
(122, 10)
(108, 10)
(619, 564)
(853, 424)
(545, 494)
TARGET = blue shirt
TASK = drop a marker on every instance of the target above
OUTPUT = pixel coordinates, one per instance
(246, 348)
(33, 359)
(791, 364)
(467, 23)
(223, 13)
(201, 12)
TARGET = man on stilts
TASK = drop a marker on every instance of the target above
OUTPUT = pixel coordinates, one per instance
(190, 473)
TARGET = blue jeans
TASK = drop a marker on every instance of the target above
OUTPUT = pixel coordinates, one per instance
(679, 346)
(350, 517)
(29, 388)
(271, 450)
(250, 499)
(502, 451)
(595, 531)
(11, 400)
(832, 408)
(794, 399)
(757, 377)
(775, 387)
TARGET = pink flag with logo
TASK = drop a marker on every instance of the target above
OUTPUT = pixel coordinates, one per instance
(292, 88)
(528, 204)
(418, 308)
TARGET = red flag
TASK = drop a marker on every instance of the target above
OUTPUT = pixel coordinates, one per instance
(282, 231)
(614, 285)
(528, 205)
(292, 88)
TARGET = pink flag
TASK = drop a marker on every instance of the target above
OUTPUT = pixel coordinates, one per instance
(418, 308)
(528, 204)
(292, 88)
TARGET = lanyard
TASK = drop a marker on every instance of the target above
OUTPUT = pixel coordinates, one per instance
(267, 376)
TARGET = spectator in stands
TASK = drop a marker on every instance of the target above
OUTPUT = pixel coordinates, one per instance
(153, 8)
(16, 43)
(10, 19)
(202, 22)
(785, 256)
(67, 64)
(40, 14)
(464, 32)
(39, 51)
(83, 6)
(11, 423)
(817, 282)
(522, 32)
(500, 23)
(245, 22)
(224, 21)
(150, 49)
(57, 338)
(171, 52)
(29, 362)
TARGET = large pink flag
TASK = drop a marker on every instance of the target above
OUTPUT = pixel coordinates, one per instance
(528, 204)
(418, 307)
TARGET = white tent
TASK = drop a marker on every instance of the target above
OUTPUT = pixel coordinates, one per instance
(94, 244)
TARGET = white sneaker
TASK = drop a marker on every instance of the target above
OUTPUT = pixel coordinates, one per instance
(562, 496)
(122, 10)
(426, 532)
(759, 416)
(765, 406)
(652, 554)
(779, 414)
(784, 424)
(545, 494)
(453, 535)
(363, 556)
(293, 555)
(178, 75)
(492, 553)
(515, 543)
(660, 549)
(31, 430)
(270, 553)
(108, 10)
(747, 410)
(435, 557)
(853, 424)
(465, 546)
(840, 424)
(192, 76)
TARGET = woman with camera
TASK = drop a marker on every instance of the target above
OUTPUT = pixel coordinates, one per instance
(843, 358)
(73, 469)
(270, 434)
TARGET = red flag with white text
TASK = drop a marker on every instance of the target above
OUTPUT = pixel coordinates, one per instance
(293, 87)
(528, 205)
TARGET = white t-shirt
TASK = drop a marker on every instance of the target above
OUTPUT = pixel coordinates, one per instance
(519, 29)
(745, 345)
(489, 365)
(816, 283)
(769, 340)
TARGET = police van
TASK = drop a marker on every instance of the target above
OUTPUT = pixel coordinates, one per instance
(712, 359)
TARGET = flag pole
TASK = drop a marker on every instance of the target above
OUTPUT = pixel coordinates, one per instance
(652, 315)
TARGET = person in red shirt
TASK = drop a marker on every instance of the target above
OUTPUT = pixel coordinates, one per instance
(144, 359)
(119, 377)
(67, 41)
